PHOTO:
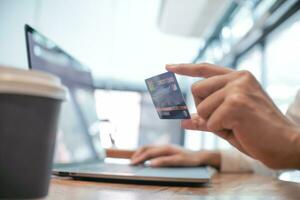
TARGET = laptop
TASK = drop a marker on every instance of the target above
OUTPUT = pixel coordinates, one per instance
(78, 151)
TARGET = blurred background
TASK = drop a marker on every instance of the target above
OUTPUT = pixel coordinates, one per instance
(123, 42)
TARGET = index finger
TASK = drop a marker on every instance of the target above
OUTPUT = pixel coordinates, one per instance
(149, 153)
(204, 70)
(140, 150)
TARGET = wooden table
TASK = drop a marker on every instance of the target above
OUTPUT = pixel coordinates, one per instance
(222, 186)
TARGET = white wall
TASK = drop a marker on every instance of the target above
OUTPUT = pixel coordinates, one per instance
(13, 15)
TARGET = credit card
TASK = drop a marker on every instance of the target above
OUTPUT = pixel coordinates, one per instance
(167, 96)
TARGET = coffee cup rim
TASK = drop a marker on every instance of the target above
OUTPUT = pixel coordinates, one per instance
(30, 82)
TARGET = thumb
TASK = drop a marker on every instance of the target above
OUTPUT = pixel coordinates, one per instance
(195, 123)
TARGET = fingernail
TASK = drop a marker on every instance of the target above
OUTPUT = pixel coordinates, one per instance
(148, 163)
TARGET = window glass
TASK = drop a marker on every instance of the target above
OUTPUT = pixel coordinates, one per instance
(153, 130)
(252, 61)
(242, 22)
(217, 50)
(119, 112)
(263, 8)
(283, 63)
(72, 142)
(226, 39)
(130, 119)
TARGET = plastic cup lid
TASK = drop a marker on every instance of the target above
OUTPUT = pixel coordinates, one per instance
(30, 82)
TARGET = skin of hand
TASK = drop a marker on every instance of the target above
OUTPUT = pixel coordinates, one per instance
(233, 105)
(171, 155)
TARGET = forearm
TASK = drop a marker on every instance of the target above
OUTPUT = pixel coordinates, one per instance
(225, 160)
(234, 161)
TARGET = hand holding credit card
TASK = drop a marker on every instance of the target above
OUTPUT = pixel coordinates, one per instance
(167, 97)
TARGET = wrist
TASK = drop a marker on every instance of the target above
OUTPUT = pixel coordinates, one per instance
(293, 149)
(297, 148)
(211, 158)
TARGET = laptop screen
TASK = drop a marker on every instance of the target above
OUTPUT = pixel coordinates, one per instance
(78, 119)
